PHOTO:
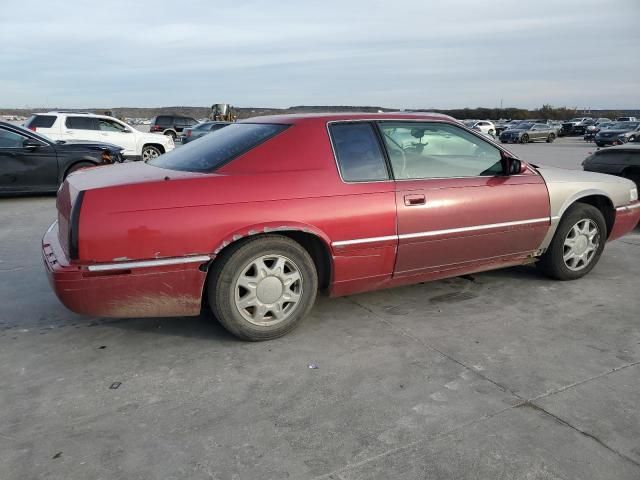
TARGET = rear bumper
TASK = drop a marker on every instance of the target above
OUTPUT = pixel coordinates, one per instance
(156, 288)
(627, 218)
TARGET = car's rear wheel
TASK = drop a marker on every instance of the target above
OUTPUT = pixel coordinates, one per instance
(491, 132)
(551, 138)
(577, 244)
(172, 134)
(150, 152)
(77, 166)
(524, 138)
(262, 288)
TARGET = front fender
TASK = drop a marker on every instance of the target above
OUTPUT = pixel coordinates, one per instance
(566, 187)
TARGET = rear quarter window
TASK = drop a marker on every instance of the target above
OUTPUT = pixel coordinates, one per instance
(213, 151)
(358, 152)
(41, 121)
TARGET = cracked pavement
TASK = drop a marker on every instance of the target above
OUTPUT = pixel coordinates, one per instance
(499, 375)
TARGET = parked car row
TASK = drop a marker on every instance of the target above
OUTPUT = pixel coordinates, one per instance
(66, 126)
(30, 162)
(616, 133)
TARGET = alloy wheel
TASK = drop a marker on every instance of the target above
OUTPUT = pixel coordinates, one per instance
(149, 153)
(268, 290)
(581, 244)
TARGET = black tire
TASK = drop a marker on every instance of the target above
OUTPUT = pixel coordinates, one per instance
(229, 267)
(151, 151)
(524, 138)
(491, 132)
(552, 262)
(551, 138)
(77, 166)
(172, 134)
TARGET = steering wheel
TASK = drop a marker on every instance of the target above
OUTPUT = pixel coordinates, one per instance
(404, 156)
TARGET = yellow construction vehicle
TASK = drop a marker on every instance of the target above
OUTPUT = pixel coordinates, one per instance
(223, 112)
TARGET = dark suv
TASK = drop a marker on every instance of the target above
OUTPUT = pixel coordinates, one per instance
(171, 124)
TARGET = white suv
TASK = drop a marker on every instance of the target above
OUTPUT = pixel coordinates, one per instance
(483, 126)
(88, 126)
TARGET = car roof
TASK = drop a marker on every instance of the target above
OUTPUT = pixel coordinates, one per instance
(629, 147)
(68, 113)
(296, 118)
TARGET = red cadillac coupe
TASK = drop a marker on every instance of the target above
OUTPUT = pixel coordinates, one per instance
(254, 219)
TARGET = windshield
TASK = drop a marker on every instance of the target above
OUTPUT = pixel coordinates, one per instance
(217, 148)
(524, 126)
(575, 120)
(469, 123)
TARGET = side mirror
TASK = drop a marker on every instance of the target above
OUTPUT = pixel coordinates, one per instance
(512, 166)
(31, 144)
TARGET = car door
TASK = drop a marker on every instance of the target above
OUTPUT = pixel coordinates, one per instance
(26, 167)
(117, 133)
(541, 131)
(81, 127)
(455, 207)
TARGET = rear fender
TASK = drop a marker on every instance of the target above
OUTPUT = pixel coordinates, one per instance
(271, 227)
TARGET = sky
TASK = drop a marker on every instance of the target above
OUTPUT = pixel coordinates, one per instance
(280, 53)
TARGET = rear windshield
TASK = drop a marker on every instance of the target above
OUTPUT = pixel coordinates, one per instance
(218, 148)
(41, 121)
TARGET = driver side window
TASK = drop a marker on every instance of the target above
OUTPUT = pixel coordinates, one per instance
(438, 150)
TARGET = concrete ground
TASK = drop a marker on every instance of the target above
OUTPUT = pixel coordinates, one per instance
(501, 375)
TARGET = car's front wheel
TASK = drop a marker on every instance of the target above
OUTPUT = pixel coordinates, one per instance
(551, 138)
(262, 288)
(150, 152)
(577, 244)
(524, 138)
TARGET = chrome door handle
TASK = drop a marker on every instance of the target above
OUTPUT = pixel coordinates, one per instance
(414, 199)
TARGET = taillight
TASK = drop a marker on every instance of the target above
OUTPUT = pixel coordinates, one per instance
(156, 128)
(32, 129)
(74, 226)
(188, 133)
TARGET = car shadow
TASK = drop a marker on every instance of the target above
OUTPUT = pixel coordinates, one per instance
(204, 326)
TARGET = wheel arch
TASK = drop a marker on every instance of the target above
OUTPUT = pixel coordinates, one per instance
(75, 162)
(159, 146)
(312, 239)
(595, 197)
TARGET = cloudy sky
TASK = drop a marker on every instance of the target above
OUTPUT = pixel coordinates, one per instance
(405, 54)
